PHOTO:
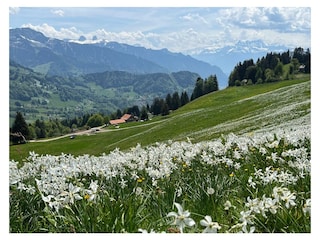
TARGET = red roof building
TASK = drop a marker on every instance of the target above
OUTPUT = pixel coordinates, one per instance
(125, 118)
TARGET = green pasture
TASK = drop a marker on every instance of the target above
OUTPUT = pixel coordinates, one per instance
(235, 109)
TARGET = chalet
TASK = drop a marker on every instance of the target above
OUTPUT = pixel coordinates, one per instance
(125, 118)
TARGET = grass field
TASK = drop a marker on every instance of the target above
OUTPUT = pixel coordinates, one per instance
(234, 161)
(237, 110)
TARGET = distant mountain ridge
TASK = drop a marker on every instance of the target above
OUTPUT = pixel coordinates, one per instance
(66, 58)
(56, 57)
(169, 60)
(230, 55)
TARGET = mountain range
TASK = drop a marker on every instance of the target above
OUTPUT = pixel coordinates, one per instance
(51, 56)
(229, 56)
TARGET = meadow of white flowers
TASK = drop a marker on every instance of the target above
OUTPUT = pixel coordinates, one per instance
(257, 182)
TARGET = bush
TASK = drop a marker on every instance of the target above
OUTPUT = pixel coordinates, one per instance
(95, 120)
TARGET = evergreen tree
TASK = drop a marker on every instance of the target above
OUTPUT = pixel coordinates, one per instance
(119, 113)
(285, 57)
(169, 101)
(184, 99)
(211, 84)
(164, 109)
(156, 106)
(198, 89)
(175, 101)
(134, 111)
(251, 72)
(215, 83)
(233, 77)
(144, 113)
(20, 126)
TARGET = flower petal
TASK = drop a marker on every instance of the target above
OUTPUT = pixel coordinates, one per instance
(208, 218)
(179, 207)
(172, 214)
(189, 222)
(204, 223)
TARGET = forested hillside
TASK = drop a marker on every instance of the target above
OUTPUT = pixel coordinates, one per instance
(272, 67)
(44, 97)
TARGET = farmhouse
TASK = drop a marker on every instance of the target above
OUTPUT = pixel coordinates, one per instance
(125, 118)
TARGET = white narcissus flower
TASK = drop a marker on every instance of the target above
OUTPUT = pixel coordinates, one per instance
(92, 192)
(181, 219)
(211, 227)
(227, 205)
(72, 194)
(251, 183)
(288, 198)
(307, 207)
(271, 204)
(210, 190)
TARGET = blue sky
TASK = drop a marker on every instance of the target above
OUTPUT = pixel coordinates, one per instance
(180, 29)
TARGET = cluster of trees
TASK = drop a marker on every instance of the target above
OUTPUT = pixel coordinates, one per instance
(206, 86)
(271, 67)
(163, 106)
(85, 121)
(202, 87)
(38, 129)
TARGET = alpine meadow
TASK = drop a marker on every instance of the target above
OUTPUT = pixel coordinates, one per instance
(236, 160)
(130, 125)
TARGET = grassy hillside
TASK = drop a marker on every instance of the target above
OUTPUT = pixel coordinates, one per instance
(238, 109)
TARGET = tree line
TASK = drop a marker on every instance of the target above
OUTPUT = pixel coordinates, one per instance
(270, 68)
(170, 103)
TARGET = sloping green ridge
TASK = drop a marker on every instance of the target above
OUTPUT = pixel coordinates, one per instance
(238, 109)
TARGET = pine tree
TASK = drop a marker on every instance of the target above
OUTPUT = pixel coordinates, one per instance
(20, 126)
(169, 101)
(184, 98)
(175, 101)
(144, 113)
(198, 89)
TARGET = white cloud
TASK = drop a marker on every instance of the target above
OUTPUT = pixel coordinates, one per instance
(14, 10)
(279, 26)
(49, 31)
(281, 19)
(58, 12)
(194, 17)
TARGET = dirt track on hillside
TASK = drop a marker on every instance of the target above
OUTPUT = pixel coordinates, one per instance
(94, 130)
(84, 132)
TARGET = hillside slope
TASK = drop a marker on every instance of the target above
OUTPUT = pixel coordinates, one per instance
(239, 110)
(39, 96)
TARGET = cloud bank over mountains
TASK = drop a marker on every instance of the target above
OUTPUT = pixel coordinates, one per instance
(186, 30)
